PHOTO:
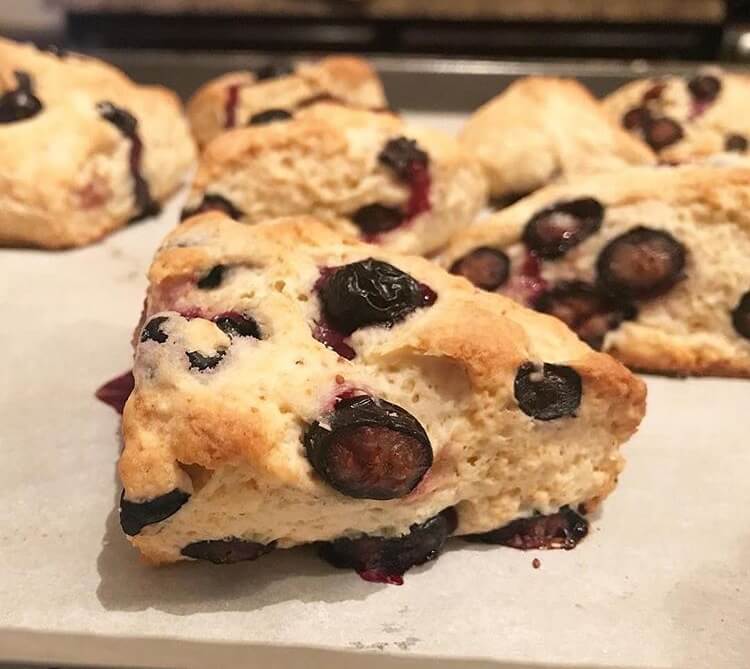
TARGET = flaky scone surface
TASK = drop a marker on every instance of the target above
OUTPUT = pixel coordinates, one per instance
(233, 99)
(689, 328)
(543, 128)
(326, 163)
(67, 174)
(232, 436)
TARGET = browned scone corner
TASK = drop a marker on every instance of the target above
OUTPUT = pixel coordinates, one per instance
(542, 129)
(648, 264)
(276, 92)
(83, 149)
(295, 386)
(366, 174)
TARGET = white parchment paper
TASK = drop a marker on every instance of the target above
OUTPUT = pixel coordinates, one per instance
(662, 581)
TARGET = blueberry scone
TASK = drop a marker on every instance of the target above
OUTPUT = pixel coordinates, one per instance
(294, 386)
(541, 129)
(366, 174)
(83, 150)
(686, 119)
(276, 92)
(649, 264)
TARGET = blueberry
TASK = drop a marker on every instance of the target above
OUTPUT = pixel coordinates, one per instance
(121, 118)
(226, 551)
(585, 309)
(485, 267)
(269, 116)
(203, 362)
(640, 263)
(401, 155)
(553, 231)
(153, 332)
(212, 278)
(134, 516)
(369, 449)
(381, 558)
(214, 202)
(548, 393)
(564, 529)
(20, 103)
(371, 292)
(741, 316)
(705, 88)
(375, 219)
(736, 142)
(272, 71)
(238, 325)
(637, 118)
(662, 132)
(655, 92)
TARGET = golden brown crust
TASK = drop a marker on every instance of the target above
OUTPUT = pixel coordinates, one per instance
(349, 79)
(82, 189)
(688, 330)
(543, 128)
(242, 422)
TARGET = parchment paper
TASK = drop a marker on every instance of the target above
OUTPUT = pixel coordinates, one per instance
(662, 581)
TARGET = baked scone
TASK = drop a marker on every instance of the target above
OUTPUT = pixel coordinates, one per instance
(294, 386)
(686, 119)
(83, 150)
(543, 128)
(650, 264)
(275, 92)
(367, 174)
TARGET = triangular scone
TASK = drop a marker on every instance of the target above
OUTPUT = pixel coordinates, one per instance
(276, 92)
(369, 174)
(686, 119)
(541, 129)
(433, 409)
(83, 149)
(650, 264)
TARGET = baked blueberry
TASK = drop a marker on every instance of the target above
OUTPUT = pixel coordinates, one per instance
(549, 392)
(736, 143)
(212, 278)
(385, 560)
(662, 132)
(640, 263)
(134, 516)
(269, 116)
(371, 292)
(226, 551)
(485, 267)
(376, 219)
(369, 449)
(214, 202)
(401, 155)
(655, 92)
(704, 87)
(741, 316)
(585, 309)
(238, 325)
(20, 103)
(153, 332)
(553, 231)
(272, 71)
(203, 362)
(564, 529)
(127, 124)
(637, 118)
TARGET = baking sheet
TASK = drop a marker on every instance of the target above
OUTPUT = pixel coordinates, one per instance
(662, 581)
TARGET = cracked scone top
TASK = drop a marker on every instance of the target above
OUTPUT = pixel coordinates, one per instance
(649, 263)
(293, 386)
(367, 174)
(83, 150)
(686, 119)
(541, 129)
(276, 92)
